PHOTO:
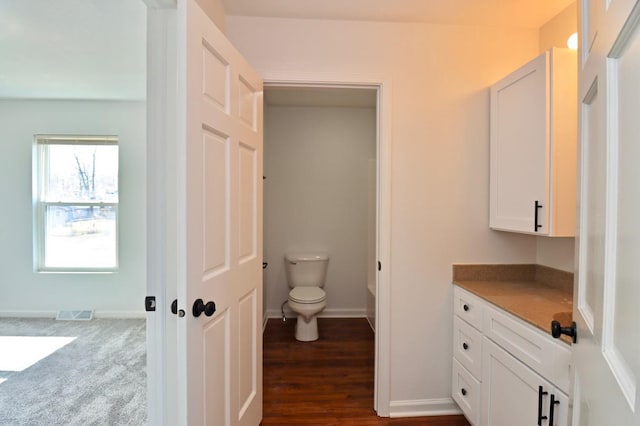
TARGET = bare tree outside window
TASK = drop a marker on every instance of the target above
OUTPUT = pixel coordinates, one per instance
(77, 203)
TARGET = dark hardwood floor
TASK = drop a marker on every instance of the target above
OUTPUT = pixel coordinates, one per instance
(326, 382)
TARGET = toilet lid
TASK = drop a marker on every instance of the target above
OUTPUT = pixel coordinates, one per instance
(307, 295)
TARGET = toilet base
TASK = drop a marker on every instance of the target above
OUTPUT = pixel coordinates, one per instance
(307, 331)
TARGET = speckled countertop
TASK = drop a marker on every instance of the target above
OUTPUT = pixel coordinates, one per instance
(536, 294)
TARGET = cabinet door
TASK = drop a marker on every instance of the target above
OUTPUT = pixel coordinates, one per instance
(520, 141)
(510, 390)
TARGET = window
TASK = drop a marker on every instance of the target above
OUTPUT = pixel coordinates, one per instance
(76, 203)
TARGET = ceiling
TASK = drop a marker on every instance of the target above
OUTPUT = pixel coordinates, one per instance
(73, 49)
(494, 13)
(96, 49)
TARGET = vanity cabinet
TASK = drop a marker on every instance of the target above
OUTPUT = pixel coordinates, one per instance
(513, 394)
(505, 371)
(533, 147)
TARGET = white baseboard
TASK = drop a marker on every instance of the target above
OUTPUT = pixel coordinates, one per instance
(120, 314)
(327, 313)
(28, 314)
(424, 407)
(96, 314)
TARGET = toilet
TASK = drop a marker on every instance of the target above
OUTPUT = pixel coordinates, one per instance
(305, 275)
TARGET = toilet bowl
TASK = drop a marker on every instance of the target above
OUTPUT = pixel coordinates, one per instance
(306, 274)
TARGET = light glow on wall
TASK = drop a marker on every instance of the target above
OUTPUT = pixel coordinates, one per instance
(572, 41)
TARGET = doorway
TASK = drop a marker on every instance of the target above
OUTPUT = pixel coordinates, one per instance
(306, 166)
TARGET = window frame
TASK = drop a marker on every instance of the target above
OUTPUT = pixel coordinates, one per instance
(41, 205)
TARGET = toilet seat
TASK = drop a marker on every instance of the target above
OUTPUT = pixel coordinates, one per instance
(307, 295)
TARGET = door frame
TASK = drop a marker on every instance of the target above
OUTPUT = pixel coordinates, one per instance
(161, 210)
(161, 217)
(382, 84)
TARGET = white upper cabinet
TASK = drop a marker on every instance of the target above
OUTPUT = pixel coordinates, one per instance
(533, 147)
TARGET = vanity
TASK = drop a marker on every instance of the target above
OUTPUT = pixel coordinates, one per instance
(507, 368)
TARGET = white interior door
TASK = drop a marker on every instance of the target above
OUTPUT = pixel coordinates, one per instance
(220, 227)
(606, 356)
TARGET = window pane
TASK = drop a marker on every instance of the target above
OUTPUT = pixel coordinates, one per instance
(80, 237)
(82, 173)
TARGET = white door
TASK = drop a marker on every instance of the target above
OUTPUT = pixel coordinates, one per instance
(607, 354)
(220, 227)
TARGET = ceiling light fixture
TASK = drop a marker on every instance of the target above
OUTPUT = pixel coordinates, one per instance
(572, 41)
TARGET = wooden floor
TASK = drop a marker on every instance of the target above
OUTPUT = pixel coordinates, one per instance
(326, 382)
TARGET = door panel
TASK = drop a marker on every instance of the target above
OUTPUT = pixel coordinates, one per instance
(592, 226)
(247, 172)
(217, 383)
(220, 243)
(606, 362)
(216, 202)
(621, 342)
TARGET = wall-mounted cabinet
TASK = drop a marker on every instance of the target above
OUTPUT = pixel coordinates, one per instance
(534, 147)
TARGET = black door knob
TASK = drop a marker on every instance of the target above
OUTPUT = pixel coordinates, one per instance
(557, 330)
(199, 307)
(174, 307)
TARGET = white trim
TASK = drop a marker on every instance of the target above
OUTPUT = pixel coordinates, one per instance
(381, 82)
(96, 314)
(424, 407)
(327, 313)
(120, 314)
(28, 314)
(161, 118)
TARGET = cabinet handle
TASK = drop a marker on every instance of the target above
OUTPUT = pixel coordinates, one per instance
(535, 217)
(552, 405)
(465, 346)
(541, 393)
(465, 307)
(463, 391)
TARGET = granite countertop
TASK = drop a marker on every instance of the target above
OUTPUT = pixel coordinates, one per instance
(534, 293)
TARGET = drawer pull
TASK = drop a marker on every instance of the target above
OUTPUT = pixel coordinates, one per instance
(552, 405)
(465, 307)
(463, 391)
(541, 393)
(557, 330)
(465, 346)
(536, 226)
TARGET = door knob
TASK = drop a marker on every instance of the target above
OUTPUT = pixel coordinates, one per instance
(557, 330)
(174, 307)
(200, 307)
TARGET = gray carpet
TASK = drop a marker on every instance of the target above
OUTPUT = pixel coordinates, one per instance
(97, 379)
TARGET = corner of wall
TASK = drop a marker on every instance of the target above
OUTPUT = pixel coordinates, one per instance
(555, 32)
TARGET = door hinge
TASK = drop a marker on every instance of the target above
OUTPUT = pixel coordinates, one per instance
(150, 303)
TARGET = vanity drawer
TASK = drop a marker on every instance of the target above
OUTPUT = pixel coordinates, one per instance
(466, 392)
(468, 307)
(548, 357)
(467, 346)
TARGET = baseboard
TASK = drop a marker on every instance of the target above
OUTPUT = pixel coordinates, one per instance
(120, 314)
(327, 313)
(28, 314)
(96, 314)
(424, 407)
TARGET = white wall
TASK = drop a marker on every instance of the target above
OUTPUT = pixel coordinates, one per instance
(25, 291)
(316, 161)
(557, 252)
(440, 163)
(215, 11)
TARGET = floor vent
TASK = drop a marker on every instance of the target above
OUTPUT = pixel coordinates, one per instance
(75, 315)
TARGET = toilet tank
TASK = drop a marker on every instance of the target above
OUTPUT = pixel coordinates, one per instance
(306, 270)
